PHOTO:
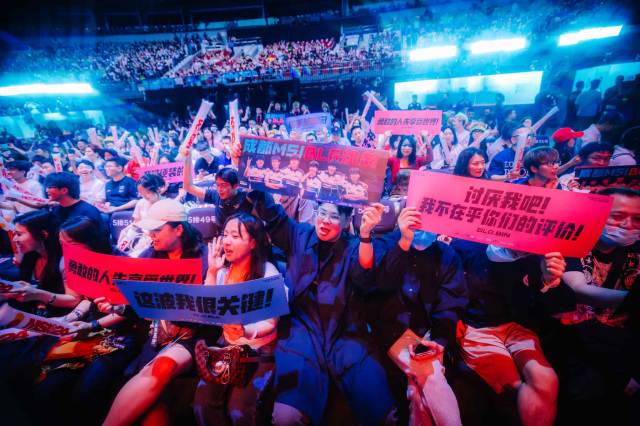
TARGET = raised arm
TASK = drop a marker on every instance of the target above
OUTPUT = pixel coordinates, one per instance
(187, 175)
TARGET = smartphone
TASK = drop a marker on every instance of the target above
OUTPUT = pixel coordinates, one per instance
(423, 351)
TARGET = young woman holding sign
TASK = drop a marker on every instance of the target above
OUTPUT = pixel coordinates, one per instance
(169, 351)
(240, 255)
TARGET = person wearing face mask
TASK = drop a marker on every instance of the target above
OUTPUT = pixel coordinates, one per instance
(602, 337)
(324, 339)
(421, 288)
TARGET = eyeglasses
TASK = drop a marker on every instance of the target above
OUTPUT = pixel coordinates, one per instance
(331, 217)
(551, 163)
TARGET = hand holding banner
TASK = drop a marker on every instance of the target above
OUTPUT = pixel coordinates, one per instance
(242, 303)
(518, 217)
(93, 274)
(13, 318)
(192, 134)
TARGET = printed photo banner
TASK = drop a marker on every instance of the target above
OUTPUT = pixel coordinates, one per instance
(170, 172)
(13, 318)
(309, 122)
(597, 178)
(518, 217)
(338, 174)
(407, 122)
(242, 303)
(93, 274)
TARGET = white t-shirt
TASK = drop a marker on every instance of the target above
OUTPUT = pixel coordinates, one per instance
(31, 186)
(141, 210)
(622, 157)
(92, 191)
(591, 134)
(256, 343)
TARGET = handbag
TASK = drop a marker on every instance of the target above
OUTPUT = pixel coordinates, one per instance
(230, 365)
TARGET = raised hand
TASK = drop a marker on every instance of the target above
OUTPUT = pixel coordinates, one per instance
(371, 217)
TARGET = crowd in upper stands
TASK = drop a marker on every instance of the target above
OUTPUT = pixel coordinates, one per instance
(144, 60)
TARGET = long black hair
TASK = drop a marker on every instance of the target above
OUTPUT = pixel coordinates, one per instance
(412, 156)
(85, 231)
(262, 252)
(462, 165)
(43, 227)
(191, 240)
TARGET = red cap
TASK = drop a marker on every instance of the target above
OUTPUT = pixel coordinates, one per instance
(563, 134)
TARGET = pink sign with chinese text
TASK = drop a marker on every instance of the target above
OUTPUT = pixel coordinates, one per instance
(407, 122)
(518, 217)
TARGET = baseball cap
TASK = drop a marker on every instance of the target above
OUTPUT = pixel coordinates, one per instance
(563, 134)
(161, 212)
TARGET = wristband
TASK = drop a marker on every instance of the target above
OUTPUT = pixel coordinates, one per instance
(54, 296)
(95, 325)
(366, 240)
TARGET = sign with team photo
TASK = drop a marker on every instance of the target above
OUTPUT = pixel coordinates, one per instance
(519, 217)
(596, 178)
(323, 172)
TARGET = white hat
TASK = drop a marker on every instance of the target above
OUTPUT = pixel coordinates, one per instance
(161, 212)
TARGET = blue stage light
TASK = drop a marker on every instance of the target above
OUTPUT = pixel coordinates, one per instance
(435, 52)
(499, 45)
(570, 39)
(48, 89)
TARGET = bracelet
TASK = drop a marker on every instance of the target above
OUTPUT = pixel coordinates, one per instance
(95, 325)
(366, 240)
(54, 296)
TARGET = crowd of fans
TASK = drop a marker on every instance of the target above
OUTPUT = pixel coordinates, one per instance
(132, 62)
(545, 338)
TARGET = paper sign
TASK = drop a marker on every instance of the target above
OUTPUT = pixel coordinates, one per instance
(14, 334)
(407, 122)
(309, 122)
(519, 217)
(234, 121)
(197, 123)
(93, 274)
(597, 178)
(343, 175)
(170, 172)
(243, 303)
(13, 318)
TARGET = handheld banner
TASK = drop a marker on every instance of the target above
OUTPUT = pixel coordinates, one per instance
(338, 174)
(93, 274)
(170, 172)
(242, 303)
(14, 334)
(597, 178)
(309, 122)
(407, 122)
(518, 217)
(234, 121)
(13, 318)
(192, 134)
